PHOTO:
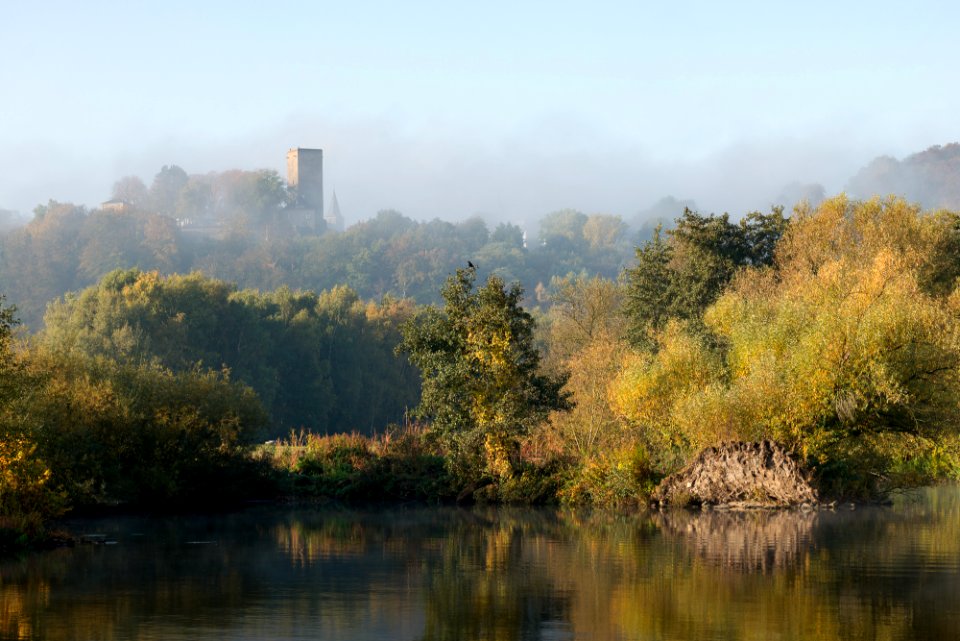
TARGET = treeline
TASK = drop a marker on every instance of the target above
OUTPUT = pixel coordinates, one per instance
(322, 361)
(930, 177)
(233, 226)
(77, 431)
(833, 331)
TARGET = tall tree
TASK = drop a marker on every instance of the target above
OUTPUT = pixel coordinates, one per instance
(166, 187)
(131, 189)
(680, 275)
(482, 384)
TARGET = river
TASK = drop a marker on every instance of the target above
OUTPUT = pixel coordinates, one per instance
(507, 573)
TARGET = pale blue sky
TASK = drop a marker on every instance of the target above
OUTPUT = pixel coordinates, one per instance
(447, 108)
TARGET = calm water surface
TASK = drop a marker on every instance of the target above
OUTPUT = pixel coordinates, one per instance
(446, 573)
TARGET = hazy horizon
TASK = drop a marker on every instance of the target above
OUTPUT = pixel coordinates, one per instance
(444, 111)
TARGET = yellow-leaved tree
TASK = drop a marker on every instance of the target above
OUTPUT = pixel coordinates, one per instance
(845, 350)
(27, 498)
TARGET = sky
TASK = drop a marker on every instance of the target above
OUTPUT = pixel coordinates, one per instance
(448, 109)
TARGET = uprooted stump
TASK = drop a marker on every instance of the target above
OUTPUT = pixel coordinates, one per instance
(738, 474)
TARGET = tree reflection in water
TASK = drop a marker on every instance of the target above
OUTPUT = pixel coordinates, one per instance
(446, 573)
(753, 541)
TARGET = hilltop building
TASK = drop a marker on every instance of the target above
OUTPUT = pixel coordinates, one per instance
(305, 180)
(303, 215)
(115, 204)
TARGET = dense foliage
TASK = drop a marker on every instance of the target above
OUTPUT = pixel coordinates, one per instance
(835, 332)
(82, 431)
(680, 275)
(27, 497)
(115, 433)
(483, 388)
(319, 360)
(846, 350)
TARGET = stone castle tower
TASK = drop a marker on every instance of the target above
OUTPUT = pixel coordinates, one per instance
(305, 178)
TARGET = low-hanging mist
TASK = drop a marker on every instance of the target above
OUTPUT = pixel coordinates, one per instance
(436, 173)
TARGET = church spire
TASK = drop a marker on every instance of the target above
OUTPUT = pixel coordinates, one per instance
(332, 215)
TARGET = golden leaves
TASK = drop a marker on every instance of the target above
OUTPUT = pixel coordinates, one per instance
(848, 332)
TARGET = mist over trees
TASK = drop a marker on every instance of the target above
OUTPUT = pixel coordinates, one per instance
(235, 226)
(192, 315)
(930, 177)
(832, 332)
(661, 213)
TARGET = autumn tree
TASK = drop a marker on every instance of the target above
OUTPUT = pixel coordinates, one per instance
(583, 310)
(482, 384)
(563, 227)
(27, 497)
(40, 261)
(847, 351)
(603, 232)
(586, 338)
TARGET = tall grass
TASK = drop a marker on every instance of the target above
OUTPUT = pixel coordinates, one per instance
(402, 464)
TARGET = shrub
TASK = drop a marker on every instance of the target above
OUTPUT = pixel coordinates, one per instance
(117, 433)
(401, 465)
(624, 476)
(28, 500)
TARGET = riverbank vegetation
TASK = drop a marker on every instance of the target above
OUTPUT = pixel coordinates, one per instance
(835, 331)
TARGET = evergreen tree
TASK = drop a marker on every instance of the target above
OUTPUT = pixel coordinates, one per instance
(681, 275)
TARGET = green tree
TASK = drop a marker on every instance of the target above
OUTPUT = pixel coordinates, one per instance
(508, 233)
(680, 273)
(166, 187)
(482, 384)
(474, 233)
(324, 361)
(648, 289)
(196, 199)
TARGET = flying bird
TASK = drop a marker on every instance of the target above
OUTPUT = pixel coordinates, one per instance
(471, 265)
